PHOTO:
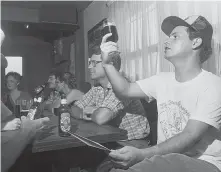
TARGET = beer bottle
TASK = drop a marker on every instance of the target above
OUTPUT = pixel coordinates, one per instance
(40, 89)
(38, 99)
(64, 118)
(32, 114)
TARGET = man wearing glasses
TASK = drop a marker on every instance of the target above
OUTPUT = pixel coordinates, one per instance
(101, 105)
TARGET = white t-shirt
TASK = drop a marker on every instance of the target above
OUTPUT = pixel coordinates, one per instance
(198, 99)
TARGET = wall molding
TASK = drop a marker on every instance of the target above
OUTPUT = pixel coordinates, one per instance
(110, 2)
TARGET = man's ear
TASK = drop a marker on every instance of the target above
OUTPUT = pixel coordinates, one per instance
(197, 43)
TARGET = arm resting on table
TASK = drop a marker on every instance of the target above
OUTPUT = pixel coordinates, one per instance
(76, 112)
(13, 144)
(74, 95)
(102, 116)
(5, 121)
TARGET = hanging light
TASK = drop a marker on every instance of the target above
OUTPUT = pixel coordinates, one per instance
(26, 26)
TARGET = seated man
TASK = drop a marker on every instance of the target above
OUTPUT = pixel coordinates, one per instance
(62, 83)
(66, 83)
(105, 108)
(54, 95)
(188, 102)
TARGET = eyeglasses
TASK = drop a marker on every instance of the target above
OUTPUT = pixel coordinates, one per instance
(93, 63)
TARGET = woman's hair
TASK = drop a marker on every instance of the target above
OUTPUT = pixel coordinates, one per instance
(15, 75)
(68, 78)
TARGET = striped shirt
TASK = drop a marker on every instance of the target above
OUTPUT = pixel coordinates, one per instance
(127, 114)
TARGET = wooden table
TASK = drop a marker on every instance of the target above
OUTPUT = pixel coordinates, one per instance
(48, 145)
(48, 139)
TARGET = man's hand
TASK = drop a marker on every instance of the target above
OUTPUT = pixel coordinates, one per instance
(87, 112)
(13, 124)
(89, 109)
(107, 48)
(34, 125)
(126, 157)
(15, 142)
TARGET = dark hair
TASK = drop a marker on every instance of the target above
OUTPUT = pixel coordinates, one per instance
(68, 78)
(54, 72)
(16, 75)
(84, 87)
(115, 57)
(205, 48)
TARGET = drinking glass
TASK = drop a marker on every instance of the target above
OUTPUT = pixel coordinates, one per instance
(17, 111)
(110, 27)
(55, 111)
(25, 106)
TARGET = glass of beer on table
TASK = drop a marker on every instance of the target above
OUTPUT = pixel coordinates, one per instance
(25, 106)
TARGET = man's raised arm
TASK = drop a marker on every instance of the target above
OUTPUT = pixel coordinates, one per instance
(120, 85)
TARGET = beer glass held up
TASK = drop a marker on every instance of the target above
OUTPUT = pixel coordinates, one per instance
(110, 27)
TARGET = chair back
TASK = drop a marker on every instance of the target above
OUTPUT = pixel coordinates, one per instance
(152, 116)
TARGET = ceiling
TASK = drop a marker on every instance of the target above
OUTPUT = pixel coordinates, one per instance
(45, 31)
(80, 5)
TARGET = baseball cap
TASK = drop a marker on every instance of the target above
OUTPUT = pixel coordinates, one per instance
(195, 22)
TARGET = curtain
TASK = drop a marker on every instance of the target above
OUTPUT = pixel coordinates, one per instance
(141, 39)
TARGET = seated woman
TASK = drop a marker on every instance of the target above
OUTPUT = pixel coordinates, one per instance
(13, 94)
(66, 83)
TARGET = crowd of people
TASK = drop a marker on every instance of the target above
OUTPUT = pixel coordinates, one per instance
(188, 103)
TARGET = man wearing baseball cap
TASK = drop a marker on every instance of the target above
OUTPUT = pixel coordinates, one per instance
(188, 100)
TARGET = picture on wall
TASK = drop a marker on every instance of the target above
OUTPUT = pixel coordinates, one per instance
(95, 37)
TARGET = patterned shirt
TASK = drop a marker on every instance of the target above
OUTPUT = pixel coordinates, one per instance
(127, 114)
